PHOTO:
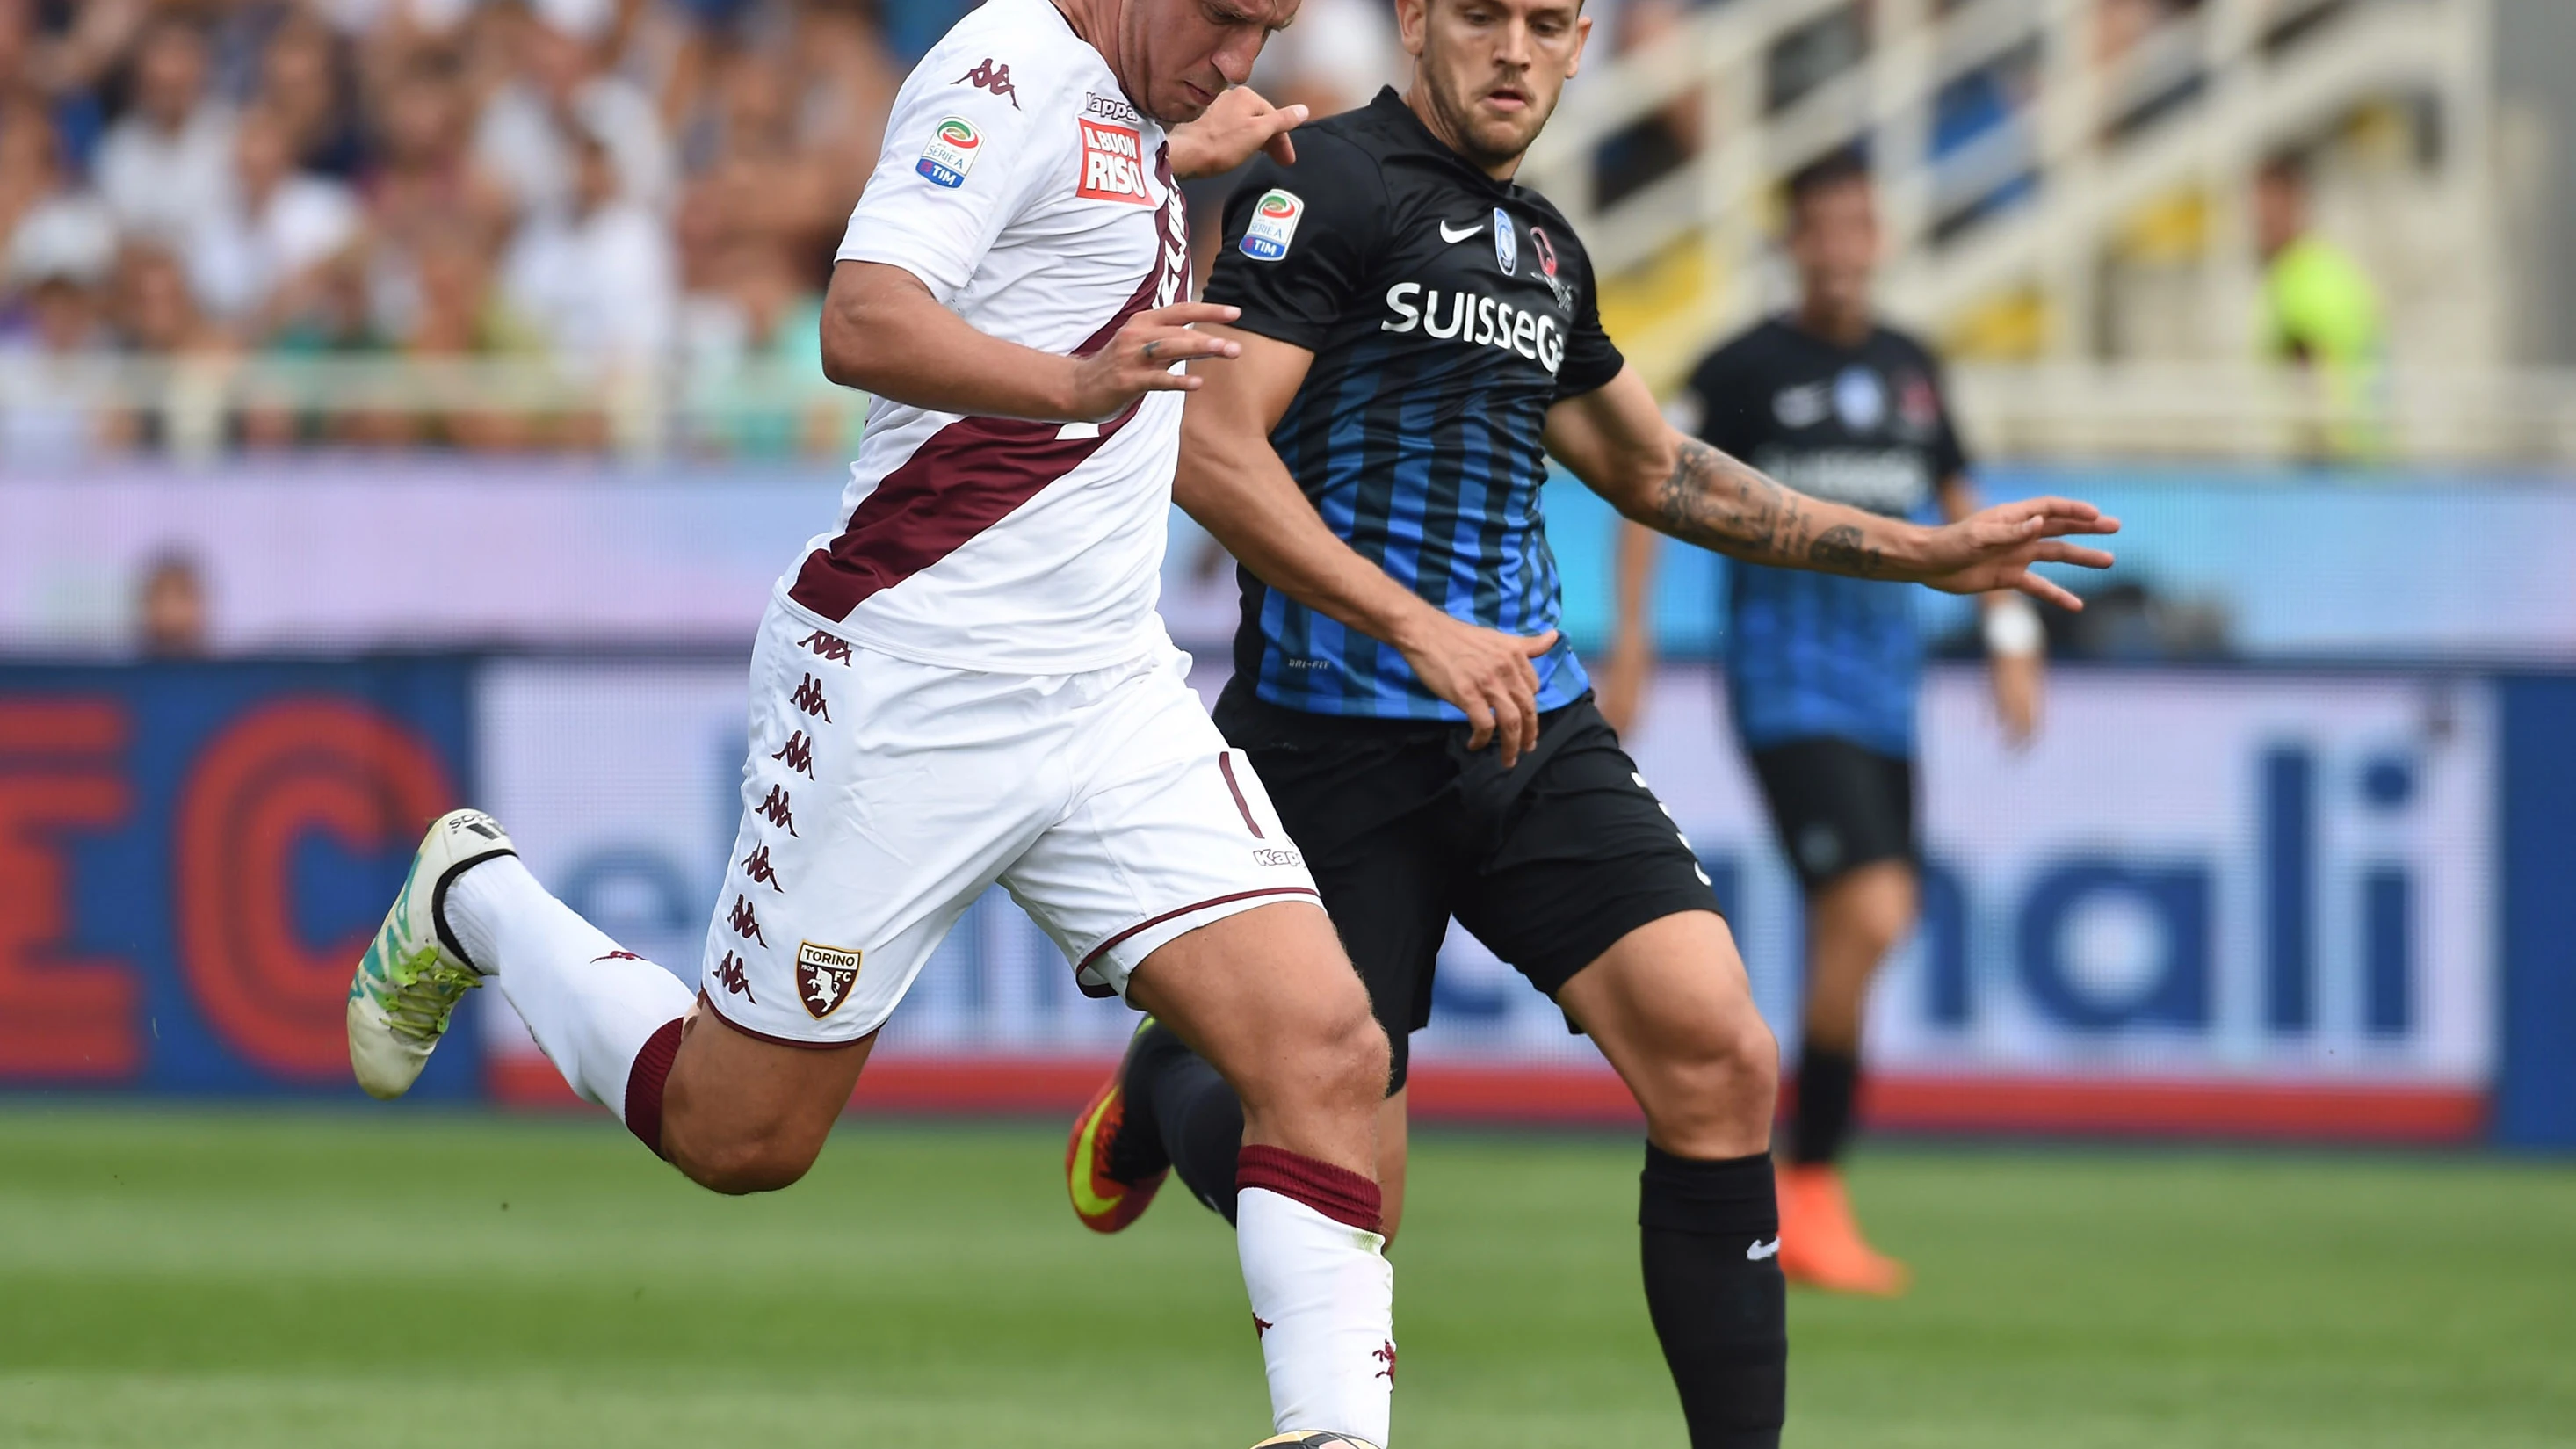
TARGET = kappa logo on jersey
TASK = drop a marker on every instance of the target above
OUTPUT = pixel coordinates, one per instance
(1479, 321)
(1111, 108)
(994, 78)
(616, 956)
(824, 976)
(736, 981)
(1385, 1355)
(951, 152)
(756, 866)
(1273, 225)
(797, 754)
(1113, 163)
(1507, 244)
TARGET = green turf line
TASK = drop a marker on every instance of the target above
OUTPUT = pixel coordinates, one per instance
(397, 1279)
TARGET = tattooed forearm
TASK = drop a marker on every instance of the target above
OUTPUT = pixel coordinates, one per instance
(1720, 503)
(1716, 502)
(1841, 550)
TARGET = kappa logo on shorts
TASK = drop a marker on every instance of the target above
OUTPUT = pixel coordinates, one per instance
(824, 976)
(756, 866)
(809, 698)
(835, 650)
(745, 923)
(1264, 855)
(1385, 1355)
(734, 978)
(1113, 163)
(797, 754)
(775, 808)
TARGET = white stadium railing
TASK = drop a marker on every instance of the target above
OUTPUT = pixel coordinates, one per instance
(2188, 110)
(61, 410)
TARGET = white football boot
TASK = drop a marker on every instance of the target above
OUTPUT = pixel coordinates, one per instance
(414, 971)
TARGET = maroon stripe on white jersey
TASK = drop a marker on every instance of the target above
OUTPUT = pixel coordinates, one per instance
(971, 474)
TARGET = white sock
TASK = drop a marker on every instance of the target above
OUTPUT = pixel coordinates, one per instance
(590, 1005)
(1323, 1294)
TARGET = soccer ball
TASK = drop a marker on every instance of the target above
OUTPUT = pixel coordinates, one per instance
(1313, 1439)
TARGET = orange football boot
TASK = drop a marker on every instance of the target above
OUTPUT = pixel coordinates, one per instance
(1820, 1242)
(1104, 1203)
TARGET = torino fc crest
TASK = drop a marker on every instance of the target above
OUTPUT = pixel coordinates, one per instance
(824, 976)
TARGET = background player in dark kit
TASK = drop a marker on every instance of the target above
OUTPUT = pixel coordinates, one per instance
(1821, 671)
(1417, 334)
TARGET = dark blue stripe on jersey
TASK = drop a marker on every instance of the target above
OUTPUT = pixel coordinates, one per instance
(1438, 485)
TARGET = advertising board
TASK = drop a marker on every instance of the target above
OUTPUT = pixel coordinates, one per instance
(192, 856)
(2204, 901)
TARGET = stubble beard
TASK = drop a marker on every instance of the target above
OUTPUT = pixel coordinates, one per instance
(1462, 124)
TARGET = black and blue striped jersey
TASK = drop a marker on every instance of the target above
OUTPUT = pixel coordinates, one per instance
(1447, 311)
(1813, 655)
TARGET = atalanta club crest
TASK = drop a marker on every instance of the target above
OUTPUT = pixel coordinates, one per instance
(1507, 243)
(824, 976)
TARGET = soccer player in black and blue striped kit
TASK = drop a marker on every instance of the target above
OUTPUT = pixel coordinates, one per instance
(1822, 671)
(1419, 334)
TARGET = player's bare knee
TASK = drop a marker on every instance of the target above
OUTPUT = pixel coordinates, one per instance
(741, 1164)
(1715, 1078)
(1364, 1060)
(739, 1172)
(1355, 1045)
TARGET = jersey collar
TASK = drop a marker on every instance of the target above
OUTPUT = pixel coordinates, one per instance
(1389, 106)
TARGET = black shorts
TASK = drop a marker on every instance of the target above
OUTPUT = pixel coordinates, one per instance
(1548, 865)
(1837, 806)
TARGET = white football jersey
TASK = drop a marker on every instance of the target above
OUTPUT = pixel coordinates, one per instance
(1031, 198)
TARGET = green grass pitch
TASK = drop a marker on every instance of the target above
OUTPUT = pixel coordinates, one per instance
(398, 1278)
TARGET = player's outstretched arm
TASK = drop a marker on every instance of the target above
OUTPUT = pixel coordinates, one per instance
(1616, 440)
(1227, 134)
(1232, 481)
(1621, 686)
(884, 333)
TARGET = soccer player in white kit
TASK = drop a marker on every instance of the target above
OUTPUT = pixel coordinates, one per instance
(967, 683)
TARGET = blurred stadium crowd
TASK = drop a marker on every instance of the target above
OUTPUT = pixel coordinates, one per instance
(516, 224)
(603, 183)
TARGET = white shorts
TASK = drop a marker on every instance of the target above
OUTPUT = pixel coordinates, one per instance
(882, 796)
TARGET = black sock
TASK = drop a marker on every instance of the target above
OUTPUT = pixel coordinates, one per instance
(1711, 1237)
(1192, 1111)
(1826, 1081)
